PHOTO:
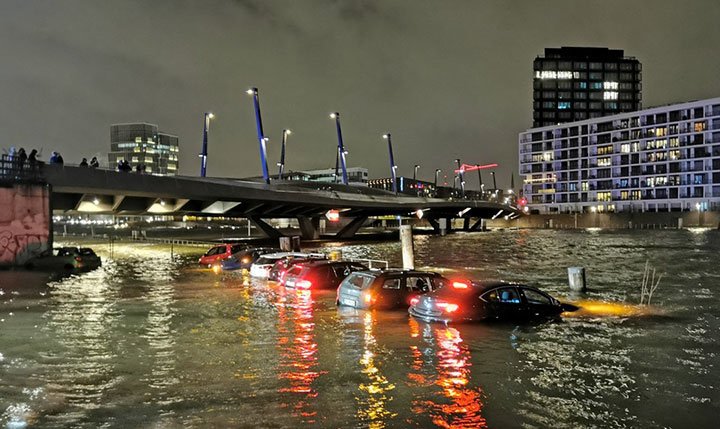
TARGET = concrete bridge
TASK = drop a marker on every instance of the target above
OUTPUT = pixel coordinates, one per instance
(87, 190)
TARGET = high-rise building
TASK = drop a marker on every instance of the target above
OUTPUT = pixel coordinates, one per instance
(142, 143)
(574, 83)
(659, 159)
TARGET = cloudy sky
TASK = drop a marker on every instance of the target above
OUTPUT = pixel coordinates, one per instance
(449, 79)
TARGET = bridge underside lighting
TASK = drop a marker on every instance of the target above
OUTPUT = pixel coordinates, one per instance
(333, 215)
(498, 214)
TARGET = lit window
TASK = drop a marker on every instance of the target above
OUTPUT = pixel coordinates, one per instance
(610, 95)
(610, 85)
(138, 139)
(699, 126)
(604, 162)
(595, 85)
(625, 148)
(564, 105)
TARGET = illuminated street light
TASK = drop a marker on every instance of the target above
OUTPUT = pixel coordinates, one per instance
(415, 170)
(281, 164)
(203, 153)
(437, 172)
(393, 167)
(341, 148)
(261, 135)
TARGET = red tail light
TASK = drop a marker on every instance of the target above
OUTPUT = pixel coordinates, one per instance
(303, 284)
(414, 300)
(460, 285)
(447, 307)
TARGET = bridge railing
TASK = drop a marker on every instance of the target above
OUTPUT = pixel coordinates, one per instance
(13, 170)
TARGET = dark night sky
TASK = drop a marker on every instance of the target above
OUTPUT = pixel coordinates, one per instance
(449, 79)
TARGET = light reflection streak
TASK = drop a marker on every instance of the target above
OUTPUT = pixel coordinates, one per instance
(298, 351)
(373, 404)
(462, 404)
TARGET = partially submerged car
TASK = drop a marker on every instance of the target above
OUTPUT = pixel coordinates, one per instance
(319, 274)
(496, 300)
(65, 259)
(261, 268)
(244, 259)
(386, 289)
(220, 252)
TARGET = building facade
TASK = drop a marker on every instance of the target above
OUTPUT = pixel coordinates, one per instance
(660, 159)
(574, 83)
(142, 143)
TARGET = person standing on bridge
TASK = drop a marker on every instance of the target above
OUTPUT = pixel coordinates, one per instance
(94, 162)
(21, 158)
(84, 163)
(32, 159)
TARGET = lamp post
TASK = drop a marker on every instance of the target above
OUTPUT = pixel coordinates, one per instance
(480, 183)
(341, 147)
(437, 172)
(281, 164)
(493, 177)
(393, 167)
(262, 140)
(203, 152)
(461, 176)
(415, 170)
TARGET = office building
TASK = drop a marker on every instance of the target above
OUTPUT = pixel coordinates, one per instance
(660, 159)
(574, 83)
(142, 143)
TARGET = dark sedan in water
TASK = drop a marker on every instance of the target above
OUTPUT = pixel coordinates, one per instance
(319, 274)
(466, 301)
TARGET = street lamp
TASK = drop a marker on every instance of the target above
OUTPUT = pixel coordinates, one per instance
(262, 140)
(493, 177)
(415, 171)
(281, 164)
(341, 148)
(203, 152)
(393, 167)
(461, 176)
(437, 172)
(480, 183)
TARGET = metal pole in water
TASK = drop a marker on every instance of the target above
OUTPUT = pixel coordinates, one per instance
(406, 240)
(576, 278)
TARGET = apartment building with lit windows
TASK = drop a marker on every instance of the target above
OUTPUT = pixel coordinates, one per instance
(142, 143)
(659, 159)
(577, 83)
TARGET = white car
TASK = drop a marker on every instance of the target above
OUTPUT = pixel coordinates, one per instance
(261, 268)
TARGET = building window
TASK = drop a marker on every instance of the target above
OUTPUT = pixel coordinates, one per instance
(596, 85)
(604, 162)
(604, 196)
(625, 148)
(610, 95)
(699, 126)
(564, 105)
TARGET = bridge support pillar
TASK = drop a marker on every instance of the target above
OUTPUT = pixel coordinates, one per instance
(466, 224)
(479, 224)
(25, 222)
(309, 227)
(435, 225)
(265, 227)
(350, 229)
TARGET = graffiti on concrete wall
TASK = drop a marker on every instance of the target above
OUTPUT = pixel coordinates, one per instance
(24, 223)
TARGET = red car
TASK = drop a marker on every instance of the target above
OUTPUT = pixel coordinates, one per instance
(220, 252)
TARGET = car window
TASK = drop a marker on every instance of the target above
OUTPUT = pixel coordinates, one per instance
(360, 281)
(535, 297)
(437, 282)
(236, 248)
(265, 261)
(391, 284)
(87, 252)
(418, 283)
(506, 295)
(294, 271)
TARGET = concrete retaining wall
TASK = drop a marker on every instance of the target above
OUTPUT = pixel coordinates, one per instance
(648, 220)
(24, 223)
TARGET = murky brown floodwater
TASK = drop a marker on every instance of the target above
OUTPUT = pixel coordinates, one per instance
(151, 342)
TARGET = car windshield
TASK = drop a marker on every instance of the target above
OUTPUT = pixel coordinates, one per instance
(359, 280)
(86, 251)
(215, 250)
(295, 270)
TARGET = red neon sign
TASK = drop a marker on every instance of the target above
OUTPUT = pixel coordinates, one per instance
(467, 167)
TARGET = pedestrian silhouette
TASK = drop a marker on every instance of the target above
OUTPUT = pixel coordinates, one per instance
(84, 163)
(94, 162)
(32, 159)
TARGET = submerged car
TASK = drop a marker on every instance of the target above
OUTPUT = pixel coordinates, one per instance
(244, 259)
(497, 300)
(281, 267)
(261, 268)
(322, 274)
(386, 289)
(66, 259)
(220, 252)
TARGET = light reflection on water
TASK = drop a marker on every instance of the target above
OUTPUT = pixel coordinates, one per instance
(150, 341)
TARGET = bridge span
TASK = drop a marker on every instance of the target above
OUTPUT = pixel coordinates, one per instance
(98, 191)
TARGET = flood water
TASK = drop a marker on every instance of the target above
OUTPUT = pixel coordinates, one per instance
(147, 341)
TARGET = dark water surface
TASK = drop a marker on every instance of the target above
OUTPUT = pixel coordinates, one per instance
(147, 341)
